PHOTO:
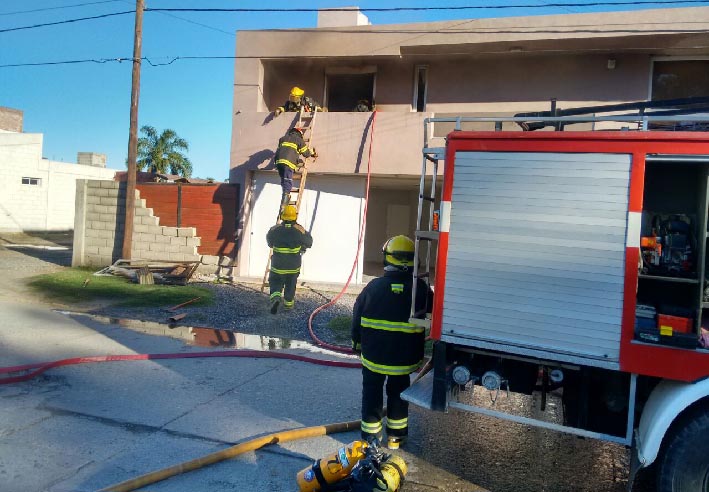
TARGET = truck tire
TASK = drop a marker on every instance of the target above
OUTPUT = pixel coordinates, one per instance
(684, 462)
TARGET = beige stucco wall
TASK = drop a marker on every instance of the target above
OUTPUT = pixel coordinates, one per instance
(480, 67)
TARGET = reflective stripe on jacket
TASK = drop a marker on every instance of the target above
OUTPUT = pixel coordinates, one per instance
(380, 324)
(288, 240)
(290, 146)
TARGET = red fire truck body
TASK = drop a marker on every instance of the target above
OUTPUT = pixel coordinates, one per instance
(544, 269)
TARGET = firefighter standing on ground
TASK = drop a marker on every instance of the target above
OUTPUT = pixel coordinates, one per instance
(390, 347)
(290, 147)
(297, 100)
(289, 241)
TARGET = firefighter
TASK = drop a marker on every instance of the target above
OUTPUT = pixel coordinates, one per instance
(389, 346)
(296, 100)
(290, 147)
(289, 241)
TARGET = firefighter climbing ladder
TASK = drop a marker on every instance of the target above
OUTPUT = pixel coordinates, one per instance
(306, 121)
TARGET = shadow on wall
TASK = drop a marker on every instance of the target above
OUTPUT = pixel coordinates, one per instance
(360, 151)
(228, 201)
(262, 156)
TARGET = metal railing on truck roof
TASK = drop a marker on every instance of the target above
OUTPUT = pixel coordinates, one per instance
(530, 122)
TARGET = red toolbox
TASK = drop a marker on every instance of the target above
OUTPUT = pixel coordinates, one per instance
(676, 323)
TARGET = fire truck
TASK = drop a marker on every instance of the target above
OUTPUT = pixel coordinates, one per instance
(572, 265)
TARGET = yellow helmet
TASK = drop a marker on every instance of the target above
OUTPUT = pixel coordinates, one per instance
(289, 213)
(296, 93)
(399, 252)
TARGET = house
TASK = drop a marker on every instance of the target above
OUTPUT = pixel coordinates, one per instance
(474, 67)
(37, 194)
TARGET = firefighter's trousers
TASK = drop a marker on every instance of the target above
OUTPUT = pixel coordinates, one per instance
(373, 384)
(286, 174)
(283, 284)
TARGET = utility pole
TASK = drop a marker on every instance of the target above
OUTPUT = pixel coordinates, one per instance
(133, 132)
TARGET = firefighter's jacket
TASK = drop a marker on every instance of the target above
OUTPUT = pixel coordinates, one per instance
(380, 324)
(307, 103)
(289, 241)
(290, 147)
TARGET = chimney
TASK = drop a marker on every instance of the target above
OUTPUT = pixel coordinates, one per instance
(91, 159)
(343, 17)
(11, 119)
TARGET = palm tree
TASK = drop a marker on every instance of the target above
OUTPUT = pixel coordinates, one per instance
(162, 153)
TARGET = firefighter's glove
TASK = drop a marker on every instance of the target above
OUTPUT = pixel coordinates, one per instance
(277, 112)
(313, 154)
(357, 348)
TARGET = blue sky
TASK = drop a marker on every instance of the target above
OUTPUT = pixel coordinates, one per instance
(85, 107)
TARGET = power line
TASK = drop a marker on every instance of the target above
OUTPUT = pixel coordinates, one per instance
(68, 21)
(69, 62)
(376, 9)
(424, 9)
(318, 57)
(58, 8)
(188, 20)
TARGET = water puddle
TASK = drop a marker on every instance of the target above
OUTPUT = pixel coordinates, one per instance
(204, 337)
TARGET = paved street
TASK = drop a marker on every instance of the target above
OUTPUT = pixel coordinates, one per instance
(81, 428)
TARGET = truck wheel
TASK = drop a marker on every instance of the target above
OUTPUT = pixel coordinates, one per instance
(684, 463)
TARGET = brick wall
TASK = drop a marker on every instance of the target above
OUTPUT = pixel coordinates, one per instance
(98, 235)
(11, 119)
(209, 208)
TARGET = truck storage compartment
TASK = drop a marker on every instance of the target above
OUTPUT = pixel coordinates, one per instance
(672, 251)
(536, 254)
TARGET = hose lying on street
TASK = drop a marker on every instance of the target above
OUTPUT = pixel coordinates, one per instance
(38, 368)
(241, 448)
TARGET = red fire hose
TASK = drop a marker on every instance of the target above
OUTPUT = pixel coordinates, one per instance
(38, 368)
(339, 348)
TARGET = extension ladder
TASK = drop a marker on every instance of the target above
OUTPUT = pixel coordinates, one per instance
(426, 234)
(306, 120)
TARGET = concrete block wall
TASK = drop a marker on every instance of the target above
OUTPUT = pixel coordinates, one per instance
(98, 229)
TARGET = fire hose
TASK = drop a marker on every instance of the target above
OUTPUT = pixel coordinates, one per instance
(241, 448)
(317, 341)
(360, 463)
(34, 370)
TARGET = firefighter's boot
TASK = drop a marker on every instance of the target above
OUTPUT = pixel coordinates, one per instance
(395, 442)
(274, 304)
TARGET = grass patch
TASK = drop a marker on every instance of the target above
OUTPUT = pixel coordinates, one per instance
(341, 327)
(69, 286)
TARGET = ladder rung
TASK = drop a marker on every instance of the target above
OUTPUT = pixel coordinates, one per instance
(428, 235)
(434, 150)
(427, 198)
(426, 323)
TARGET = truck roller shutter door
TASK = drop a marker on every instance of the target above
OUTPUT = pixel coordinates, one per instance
(536, 254)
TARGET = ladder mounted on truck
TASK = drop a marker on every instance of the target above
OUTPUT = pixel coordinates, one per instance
(671, 114)
(306, 121)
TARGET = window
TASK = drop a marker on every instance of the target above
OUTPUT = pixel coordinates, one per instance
(680, 79)
(32, 181)
(350, 92)
(420, 88)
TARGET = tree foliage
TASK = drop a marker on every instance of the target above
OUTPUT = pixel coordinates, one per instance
(163, 153)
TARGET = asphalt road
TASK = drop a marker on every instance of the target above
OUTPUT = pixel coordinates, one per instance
(81, 428)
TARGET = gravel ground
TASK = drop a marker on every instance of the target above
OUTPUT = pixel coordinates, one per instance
(238, 307)
(244, 308)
